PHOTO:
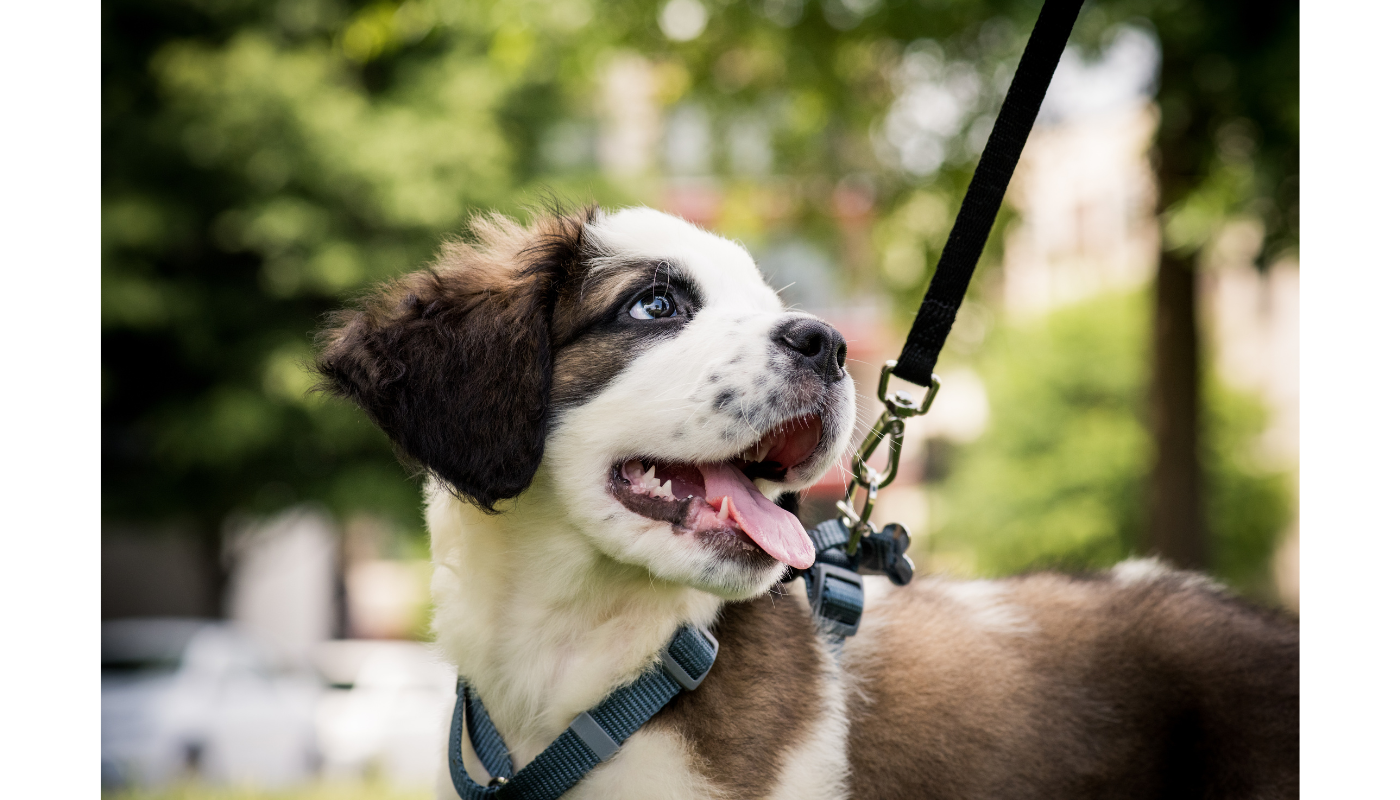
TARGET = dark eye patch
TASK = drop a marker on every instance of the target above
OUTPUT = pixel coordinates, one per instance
(604, 300)
(606, 338)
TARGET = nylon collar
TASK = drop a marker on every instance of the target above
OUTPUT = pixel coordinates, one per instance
(590, 739)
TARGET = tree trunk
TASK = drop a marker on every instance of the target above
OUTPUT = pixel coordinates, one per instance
(1176, 527)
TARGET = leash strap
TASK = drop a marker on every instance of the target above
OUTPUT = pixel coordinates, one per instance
(984, 195)
(591, 738)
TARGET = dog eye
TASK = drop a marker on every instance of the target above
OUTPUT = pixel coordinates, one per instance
(657, 307)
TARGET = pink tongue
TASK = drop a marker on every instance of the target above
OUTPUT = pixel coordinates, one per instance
(775, 530)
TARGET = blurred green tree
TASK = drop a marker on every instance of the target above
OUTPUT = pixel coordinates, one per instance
(262, 161)
(266, 159)
(1057, 479)
(1227, 146)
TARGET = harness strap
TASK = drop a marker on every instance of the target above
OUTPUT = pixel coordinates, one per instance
(490, 748)
(835, 590)
(829, 534)
(984, 195)
(590, 739)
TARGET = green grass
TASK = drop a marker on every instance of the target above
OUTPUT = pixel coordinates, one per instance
(324, 790)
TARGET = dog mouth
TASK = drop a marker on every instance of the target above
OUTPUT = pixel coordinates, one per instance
(719, 501)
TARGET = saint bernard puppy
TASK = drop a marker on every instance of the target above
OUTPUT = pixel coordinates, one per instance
(607, 406)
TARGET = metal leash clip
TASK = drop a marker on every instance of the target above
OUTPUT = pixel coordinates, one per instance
(899, 406)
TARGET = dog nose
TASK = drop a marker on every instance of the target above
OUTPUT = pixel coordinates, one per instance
(816, 344)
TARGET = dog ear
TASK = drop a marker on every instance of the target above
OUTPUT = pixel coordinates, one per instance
(454, 362)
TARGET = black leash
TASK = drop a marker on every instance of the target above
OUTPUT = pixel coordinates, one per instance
(834, 587)
(985, 193)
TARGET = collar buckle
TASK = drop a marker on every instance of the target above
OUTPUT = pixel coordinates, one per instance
(673, 667)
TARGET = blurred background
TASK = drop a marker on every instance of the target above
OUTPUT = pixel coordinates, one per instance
(1123, 378)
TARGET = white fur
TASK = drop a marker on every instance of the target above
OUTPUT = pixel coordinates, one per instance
(1138, 571)
(987, 606)
(665, 392)
(654, 765)
(548, 607)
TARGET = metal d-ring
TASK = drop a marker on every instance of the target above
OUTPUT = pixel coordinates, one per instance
(899, 406)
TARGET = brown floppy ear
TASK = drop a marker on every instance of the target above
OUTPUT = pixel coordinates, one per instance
(454, 362)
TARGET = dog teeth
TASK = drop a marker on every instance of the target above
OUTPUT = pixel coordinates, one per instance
(758, 451)
(647, 483)
(724, 509)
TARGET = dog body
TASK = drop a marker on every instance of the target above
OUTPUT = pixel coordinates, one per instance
(609, 404)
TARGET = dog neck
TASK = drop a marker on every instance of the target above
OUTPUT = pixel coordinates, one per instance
(540, 622)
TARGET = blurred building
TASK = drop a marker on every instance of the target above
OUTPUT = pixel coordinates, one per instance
(630, 117)
(1253, 322)
(163, 572)
(195, 698)
(386, 595)
(1084, 189)
(386, 710)
(283, 582)
(270, 695)
(1086, 198)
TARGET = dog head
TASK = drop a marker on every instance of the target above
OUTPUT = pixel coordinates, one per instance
(636, 371)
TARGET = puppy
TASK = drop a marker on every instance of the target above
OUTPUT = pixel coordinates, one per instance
(608, 404)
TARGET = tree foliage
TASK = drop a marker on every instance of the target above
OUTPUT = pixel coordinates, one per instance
(1058, 479)
(264, 161)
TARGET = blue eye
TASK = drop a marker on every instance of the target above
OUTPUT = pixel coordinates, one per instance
(655, 308)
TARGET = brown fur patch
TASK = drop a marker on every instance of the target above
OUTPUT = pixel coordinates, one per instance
(593, 344)
(454, 362)
(464, 363)
(760, 699)
(1160, 689)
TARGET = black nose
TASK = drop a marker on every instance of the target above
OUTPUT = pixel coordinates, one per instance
(817, 345)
